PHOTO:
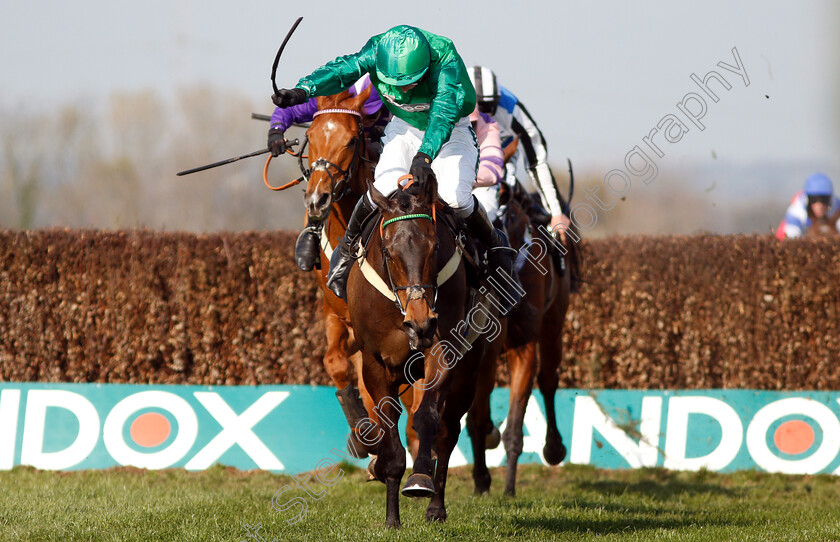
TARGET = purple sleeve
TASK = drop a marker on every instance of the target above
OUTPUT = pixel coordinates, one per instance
(284, 117)
(373, 103)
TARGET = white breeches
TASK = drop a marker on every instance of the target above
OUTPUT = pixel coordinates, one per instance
(454, 167)
(487, 196)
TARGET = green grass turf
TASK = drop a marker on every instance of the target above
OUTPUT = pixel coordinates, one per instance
(564, 503)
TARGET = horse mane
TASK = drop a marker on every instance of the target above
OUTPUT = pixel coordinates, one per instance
(409, 199)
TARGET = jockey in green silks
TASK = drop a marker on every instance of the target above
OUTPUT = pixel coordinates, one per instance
(424, 83)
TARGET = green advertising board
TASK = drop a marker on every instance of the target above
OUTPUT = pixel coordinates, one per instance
(290, 429)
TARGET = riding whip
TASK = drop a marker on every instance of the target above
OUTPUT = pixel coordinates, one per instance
(231, 160)
(280, 52)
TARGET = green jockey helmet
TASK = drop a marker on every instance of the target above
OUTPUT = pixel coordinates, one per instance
(402, 56)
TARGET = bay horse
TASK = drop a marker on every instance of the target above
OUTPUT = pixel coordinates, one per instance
(823, 226)
(534, 342)
(410, 323)
(340, 162)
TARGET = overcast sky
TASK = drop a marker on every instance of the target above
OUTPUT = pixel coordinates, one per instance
(598, 76)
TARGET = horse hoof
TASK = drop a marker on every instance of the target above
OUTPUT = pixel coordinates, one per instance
(482, 482)
(436, 514)
(356, 448)
(554, 454)
(493, 439)
(370, 476)
(419, 485)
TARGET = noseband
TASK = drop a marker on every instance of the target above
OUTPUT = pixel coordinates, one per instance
(413, 291)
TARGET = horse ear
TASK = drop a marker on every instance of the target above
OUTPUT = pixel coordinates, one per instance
(378, 198)
(341, 96)
(359, 100)
(510, 149)
(504, 193)
(430, 190)
(324, 102)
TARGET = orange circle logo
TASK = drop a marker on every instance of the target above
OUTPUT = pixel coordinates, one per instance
(150, 429)
(794, 437)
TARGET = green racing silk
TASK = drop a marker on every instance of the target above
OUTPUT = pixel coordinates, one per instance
(442, 97)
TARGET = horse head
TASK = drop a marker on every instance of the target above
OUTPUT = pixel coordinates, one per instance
(409, 257)
(516, 220)
(823, 226)
(336, 147)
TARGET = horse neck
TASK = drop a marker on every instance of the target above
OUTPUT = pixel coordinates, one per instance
(357, 186)
(343, 208)
(340, 214)
(517, 237)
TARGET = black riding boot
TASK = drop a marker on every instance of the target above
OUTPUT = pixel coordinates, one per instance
(500, 257)
(308, 247)
(342, 257)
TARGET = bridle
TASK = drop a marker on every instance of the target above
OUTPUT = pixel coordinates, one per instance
(413, 291)
(342, 186)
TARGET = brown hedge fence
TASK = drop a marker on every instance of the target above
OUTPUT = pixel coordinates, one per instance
(231, 308)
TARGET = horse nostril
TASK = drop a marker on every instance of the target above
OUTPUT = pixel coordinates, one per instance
(410, 329)
(431, 327)
(323, 201)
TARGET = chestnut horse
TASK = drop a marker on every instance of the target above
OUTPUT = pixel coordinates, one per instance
(340, 163)
(410, 321)
(534, 343)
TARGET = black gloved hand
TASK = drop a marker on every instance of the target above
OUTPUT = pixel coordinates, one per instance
(287, 97)
(276, 142)
(421, 169)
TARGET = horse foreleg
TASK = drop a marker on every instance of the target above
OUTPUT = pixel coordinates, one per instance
(522, 362)
(426, 424)
(336, 361)
(407, 396)
(551, 353)
(390, 463)
(480, 428)
(446, 442)
(359, 410)
(337, 364)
